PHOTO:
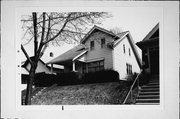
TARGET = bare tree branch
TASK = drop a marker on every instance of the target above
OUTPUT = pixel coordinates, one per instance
(49, 28)
(35, 32)
(59, 30)
(68, 27)
(27, 56)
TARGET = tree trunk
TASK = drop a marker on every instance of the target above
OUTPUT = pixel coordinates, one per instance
(29, 85)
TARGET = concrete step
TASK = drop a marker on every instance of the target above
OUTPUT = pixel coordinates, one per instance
(147, 101)
(154, 81)
(152, 84)
(147, 87)
(148, 97)
(150, 90)
(149, 93)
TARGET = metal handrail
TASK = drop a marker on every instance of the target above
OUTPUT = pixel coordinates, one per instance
(132, 86)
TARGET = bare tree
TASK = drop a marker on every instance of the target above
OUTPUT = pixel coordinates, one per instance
(44, 28)
(116, 30)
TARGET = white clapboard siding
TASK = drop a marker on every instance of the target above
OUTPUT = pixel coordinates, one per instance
(120, 58)
(98, 52)
(40, 68)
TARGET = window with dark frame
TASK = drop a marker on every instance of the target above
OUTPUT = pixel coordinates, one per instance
(129, 52)
(124, 48)
(84, 68)
(95, 66)
(92, 45)
(103, 42)
(51, 54)
(128, 68)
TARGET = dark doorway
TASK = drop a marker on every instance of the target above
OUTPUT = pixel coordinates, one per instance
(154, 61)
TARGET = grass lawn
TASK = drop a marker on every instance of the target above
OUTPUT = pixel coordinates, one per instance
(34, 91)
(85, 94)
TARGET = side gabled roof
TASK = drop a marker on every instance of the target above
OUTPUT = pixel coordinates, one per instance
(132, 44)
(25, 63)
(69, 55)
(121, 37)
(100, 29)
(147, 37)
(24, 71)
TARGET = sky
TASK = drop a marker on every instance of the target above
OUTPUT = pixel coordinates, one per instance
(138, 20)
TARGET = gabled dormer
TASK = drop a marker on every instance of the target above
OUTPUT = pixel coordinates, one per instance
(98, 38)
(96, 29)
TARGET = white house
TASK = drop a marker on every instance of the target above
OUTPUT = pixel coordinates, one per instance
(101, 49)
(41, 67)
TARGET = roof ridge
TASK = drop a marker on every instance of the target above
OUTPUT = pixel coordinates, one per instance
(156, 27)
(124, 32)
(69, 54)
(99, 28)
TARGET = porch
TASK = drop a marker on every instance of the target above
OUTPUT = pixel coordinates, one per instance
(81, 66)
(150, 56)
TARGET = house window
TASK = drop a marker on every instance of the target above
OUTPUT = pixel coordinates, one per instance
(51, 54)
(129, 52)
(103, 42)
(95, 66)
(128, 68)
(124, 48)
(145, 59)
(92, 45)
(84, 68)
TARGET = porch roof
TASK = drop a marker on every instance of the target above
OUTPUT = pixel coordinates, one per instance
(151, 37)
(69, 55)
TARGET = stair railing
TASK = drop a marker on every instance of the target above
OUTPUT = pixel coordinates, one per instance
(132, 86)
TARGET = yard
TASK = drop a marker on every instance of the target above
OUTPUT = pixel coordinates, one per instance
(85, 94)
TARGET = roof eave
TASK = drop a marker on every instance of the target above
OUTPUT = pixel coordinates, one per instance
(114, 45)
(153, 30)
(79, 55)
(98, 28)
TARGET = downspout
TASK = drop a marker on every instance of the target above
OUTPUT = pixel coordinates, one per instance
(51, 68)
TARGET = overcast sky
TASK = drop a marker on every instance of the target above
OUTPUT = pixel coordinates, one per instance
(138, 20)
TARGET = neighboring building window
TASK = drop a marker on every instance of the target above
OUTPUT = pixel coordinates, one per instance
(128, 68)
(92, 45)
(129, 52)
(103, 42)
(124, 48)
(145, 59)
(84, 68)
(51, 54)
(95, 66)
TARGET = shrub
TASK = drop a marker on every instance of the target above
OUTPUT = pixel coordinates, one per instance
(130, 79)
(44, 80)
(101, 76)
(143, 79)
(74, 78)
(70, 78)
(24, 78)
